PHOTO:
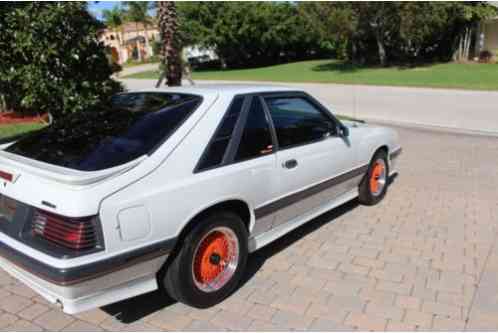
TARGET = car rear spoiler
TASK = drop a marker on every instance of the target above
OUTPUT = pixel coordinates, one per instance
(17, 164)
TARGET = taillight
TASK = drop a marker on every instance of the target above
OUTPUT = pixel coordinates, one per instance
(6, 176)
(72, 233)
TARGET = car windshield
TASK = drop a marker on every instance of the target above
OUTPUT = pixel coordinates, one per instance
(127, 127)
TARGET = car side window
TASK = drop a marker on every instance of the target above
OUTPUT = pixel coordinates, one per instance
(213, 156)
(256, 137)
(297, 121)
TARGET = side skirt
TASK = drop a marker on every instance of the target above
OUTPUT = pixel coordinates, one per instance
(269, 236)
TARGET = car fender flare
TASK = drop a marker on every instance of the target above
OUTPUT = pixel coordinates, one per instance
(187, 224)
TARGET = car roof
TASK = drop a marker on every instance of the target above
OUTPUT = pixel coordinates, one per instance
(221, 89)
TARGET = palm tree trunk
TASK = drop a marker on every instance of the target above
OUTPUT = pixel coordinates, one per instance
(460, 48)
(171, 46)
(3, 105)
(146, 41)
(139, 54)
(468, 40)
(381, 48)
(121, 44)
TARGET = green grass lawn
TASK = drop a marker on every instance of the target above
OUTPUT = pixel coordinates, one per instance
(446, 75)
(16, 129)
(137, 63)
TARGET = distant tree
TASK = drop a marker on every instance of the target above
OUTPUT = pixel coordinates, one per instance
(336, 22)
(245, 34)
(465, 16)
(171, 45)
(113, 19)
(138, 12)
(51, 60)
(399, 31)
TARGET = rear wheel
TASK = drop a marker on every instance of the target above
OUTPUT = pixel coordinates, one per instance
(374, 185)
(211, 262)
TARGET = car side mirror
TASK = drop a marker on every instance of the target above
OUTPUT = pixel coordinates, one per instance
(342, 131)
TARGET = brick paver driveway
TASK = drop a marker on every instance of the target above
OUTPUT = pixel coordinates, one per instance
(426, 258)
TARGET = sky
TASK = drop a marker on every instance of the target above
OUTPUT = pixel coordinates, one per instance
(96, 7)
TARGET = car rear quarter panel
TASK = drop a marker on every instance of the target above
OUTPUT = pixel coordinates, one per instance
(120, 191)
(173, 194)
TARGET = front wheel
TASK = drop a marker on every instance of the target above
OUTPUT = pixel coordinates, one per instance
(374, 185)
(211, 262)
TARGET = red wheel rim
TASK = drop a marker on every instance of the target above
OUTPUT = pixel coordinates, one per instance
(377, 177)
(215, 259)
(212, 253)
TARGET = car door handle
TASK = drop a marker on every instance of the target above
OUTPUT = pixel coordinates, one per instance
(290, 164)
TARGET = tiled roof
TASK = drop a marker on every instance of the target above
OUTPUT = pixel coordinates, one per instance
(136, 26)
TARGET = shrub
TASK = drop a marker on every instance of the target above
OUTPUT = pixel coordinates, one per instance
(485, 56)
(50, 59)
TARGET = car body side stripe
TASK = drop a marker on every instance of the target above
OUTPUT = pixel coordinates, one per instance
(298, 196)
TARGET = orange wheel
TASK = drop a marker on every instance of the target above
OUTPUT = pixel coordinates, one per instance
(215, 259)
(210, 262)
(377, 179)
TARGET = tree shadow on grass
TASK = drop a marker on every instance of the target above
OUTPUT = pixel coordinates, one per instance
(133, 309)
(336, 66)
(344, 67)
(413, 66)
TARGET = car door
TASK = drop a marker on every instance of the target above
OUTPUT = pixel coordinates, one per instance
(241, 156)
(311, 156)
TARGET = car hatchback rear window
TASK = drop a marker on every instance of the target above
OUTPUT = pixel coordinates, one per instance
(129, 126)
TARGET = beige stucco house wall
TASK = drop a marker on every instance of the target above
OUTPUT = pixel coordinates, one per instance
(489, 35)
(124, 41)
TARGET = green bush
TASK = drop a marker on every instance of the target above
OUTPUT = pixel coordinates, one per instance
(50, 58)
(250, 34)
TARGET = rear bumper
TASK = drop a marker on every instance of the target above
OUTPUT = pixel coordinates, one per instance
(93, 285)
(78, 274)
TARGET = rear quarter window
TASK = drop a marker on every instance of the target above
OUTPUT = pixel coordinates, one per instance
(213, 156)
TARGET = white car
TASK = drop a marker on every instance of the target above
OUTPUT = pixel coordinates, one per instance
(175, 187)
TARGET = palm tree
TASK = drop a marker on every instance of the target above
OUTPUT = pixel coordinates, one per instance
(138, 12)
(171, 64)
(113, 19)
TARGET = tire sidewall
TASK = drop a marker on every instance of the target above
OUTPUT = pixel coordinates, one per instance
(190, 292)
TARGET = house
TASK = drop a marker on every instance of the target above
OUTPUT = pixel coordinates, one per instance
(197, 55)
(132, 40)
(488, 34)
(128, 42)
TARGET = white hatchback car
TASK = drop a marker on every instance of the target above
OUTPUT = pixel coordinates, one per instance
(175, 187)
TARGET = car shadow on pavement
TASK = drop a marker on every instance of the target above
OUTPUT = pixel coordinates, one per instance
(133, 309)
(258, 258)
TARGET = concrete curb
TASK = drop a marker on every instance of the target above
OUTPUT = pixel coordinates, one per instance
(431, 128)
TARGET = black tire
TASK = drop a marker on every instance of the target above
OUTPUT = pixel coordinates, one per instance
(179, 277)
(366, 196)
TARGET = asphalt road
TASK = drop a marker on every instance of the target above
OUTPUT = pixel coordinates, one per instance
(449, 110)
